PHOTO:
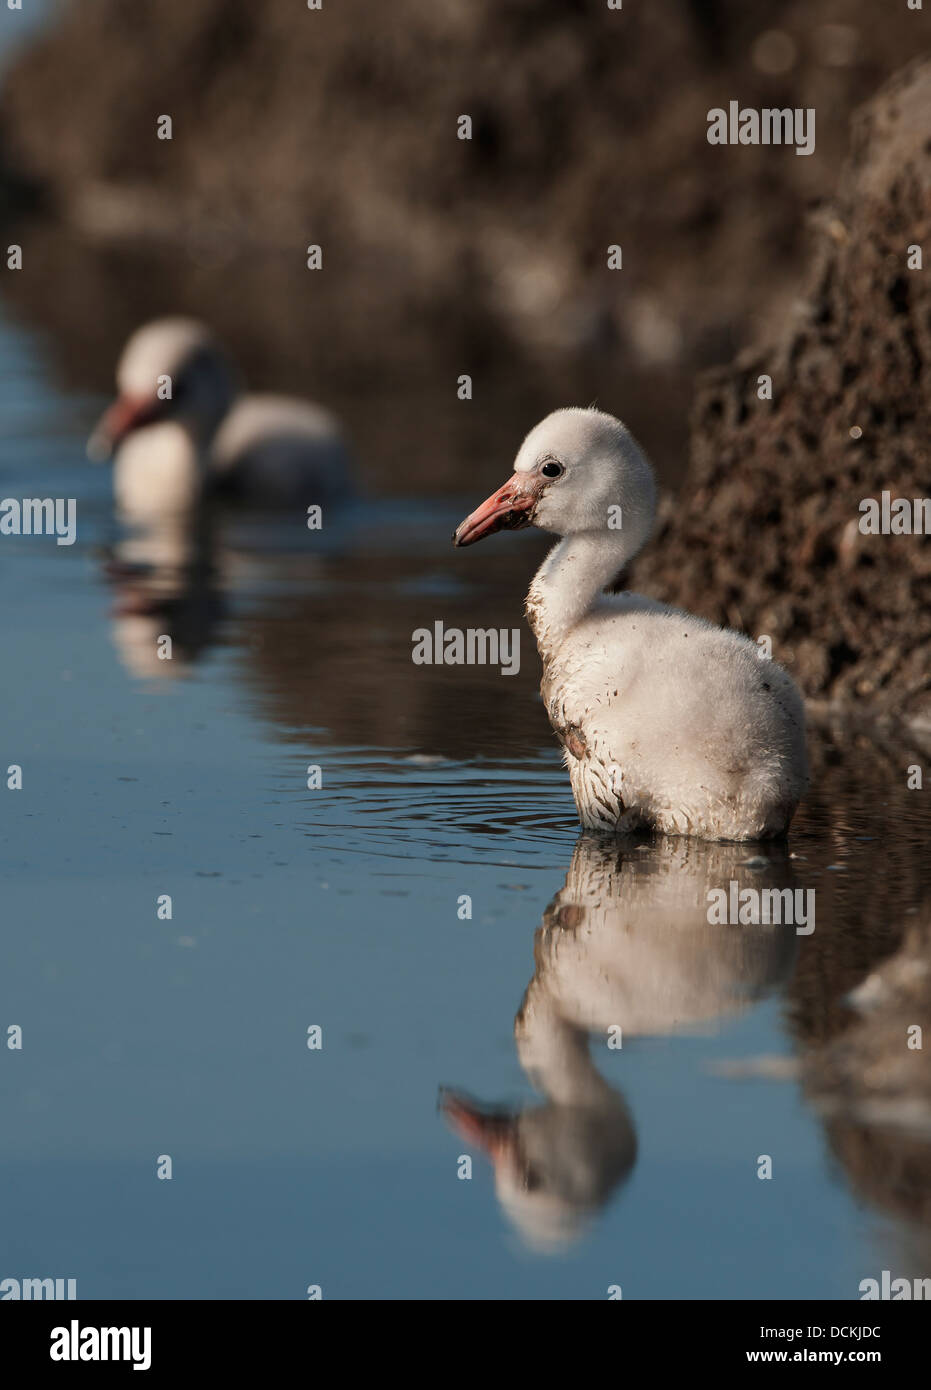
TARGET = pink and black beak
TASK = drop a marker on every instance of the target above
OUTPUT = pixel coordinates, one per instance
(127, 413)
(508, 509)
(490, 1130)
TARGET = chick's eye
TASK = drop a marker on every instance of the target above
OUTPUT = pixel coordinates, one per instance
(551, 469)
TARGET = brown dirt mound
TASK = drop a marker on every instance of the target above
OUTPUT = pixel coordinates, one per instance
(765, 532)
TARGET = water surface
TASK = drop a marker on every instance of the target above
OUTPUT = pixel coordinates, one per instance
(341, 907)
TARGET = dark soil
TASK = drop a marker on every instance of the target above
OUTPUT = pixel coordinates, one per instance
(764, 534)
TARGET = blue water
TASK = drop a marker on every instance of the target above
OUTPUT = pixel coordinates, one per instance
(337, 907)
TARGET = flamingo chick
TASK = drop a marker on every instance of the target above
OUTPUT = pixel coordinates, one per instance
(667, 722)
(179, 429)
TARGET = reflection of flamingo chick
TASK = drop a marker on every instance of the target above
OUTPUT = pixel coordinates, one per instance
(555, 1164)
(667, 721)
(166, 585)
(268, 450)
(625, 944)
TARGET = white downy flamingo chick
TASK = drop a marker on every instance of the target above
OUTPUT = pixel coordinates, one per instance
(668, 722)
(178, 428)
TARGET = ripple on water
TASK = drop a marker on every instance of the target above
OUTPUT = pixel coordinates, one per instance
(410, 807)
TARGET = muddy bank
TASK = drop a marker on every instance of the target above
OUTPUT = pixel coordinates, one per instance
(765, 532)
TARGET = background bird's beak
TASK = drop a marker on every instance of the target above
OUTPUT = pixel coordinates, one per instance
(508, 509)
(120, 419)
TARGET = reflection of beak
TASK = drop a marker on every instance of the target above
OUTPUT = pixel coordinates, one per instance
(489, 1130)
(126, 414)
(508, 509)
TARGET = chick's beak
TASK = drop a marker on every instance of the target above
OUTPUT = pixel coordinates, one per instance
(508, 509)
(118, 420)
